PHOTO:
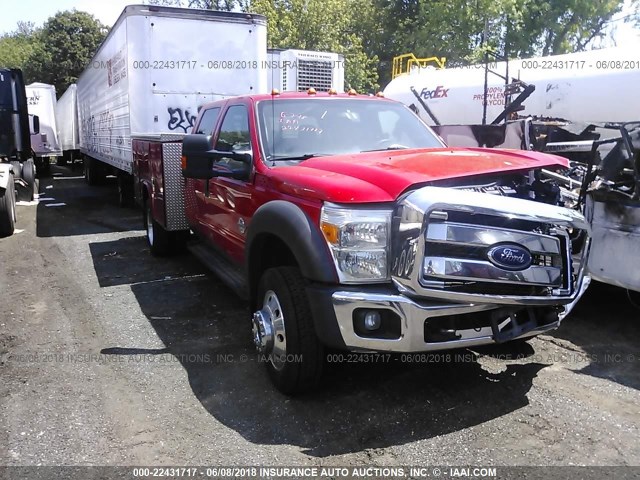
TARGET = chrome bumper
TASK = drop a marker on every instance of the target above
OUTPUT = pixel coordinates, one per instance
(413, 315)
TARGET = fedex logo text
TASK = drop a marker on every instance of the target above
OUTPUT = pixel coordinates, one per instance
(439, 92)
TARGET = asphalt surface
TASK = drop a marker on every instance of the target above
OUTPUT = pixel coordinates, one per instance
(109, 356)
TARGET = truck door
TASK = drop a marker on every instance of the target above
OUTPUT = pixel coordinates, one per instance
(195, 189)
(229, 204)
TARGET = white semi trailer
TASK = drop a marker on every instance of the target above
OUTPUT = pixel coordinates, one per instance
(41, 101)
(67, 121)
(155, 69)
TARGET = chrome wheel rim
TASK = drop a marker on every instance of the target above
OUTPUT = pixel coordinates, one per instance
(269, 335)
(149, 226)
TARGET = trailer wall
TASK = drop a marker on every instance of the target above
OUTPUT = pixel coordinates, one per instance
(67, 119)
(41, 101)
(156, 69)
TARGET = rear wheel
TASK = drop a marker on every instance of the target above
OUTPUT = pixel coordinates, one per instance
(125, 190)
(283, 331)
(43, 166)
(17, 169)
(29, 176)
(94, 173)
(158, 239)
(8, 209)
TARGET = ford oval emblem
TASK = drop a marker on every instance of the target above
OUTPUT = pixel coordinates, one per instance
(510, 256)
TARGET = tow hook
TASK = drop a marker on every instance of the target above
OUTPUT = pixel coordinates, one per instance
(262, 332)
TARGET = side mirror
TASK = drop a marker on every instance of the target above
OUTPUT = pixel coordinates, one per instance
(198, 159)
(34, 124)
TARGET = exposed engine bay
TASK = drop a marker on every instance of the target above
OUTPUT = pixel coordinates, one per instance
(529, 186)
(602, 181)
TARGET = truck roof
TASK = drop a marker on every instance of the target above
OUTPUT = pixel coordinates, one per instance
(192, 13)
(294, 95)
(175, 12)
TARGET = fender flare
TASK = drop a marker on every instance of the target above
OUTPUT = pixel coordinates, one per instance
(294, 228)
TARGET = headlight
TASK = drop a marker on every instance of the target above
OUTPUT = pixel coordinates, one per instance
(359, 242)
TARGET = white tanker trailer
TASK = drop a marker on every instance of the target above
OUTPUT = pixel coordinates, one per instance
(584, 106)
(586, 87)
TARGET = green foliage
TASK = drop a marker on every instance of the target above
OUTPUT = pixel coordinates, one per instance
(326, 25)
(369, 33)
(70, 39)
(18, 46)
(56, 53)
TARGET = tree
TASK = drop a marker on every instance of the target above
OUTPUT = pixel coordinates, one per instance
(326, 25)
(461, 30)
(64, 47)
(16, 47)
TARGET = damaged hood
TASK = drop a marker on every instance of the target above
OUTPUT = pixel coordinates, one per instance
(383, 176)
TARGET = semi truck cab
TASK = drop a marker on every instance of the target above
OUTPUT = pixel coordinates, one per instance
(17, 169)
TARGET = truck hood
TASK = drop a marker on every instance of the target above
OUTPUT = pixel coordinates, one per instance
(383, 176)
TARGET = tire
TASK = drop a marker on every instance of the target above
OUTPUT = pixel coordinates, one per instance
(8, 210)
(17, 169)
(282, 295)
(29, 176)
(94, 173)
(125, 190)
(43, 166)
(158, 239)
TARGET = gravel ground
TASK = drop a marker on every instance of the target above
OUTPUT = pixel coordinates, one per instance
(112, 357)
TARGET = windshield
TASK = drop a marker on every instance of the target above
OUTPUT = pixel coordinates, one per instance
(296, 129)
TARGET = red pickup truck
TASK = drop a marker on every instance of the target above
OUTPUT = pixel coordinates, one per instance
(347, 223)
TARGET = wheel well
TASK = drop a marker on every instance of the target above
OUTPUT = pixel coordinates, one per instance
(267, 251)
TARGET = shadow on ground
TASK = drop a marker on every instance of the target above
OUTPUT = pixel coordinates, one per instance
(606, 326)
(68, 206)
(359, 406)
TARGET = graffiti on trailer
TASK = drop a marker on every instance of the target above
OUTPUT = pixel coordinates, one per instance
(99, 135)
(179, 119)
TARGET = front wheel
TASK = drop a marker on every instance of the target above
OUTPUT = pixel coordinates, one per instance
(283, 331)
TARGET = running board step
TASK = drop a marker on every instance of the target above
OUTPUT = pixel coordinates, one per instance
(222, 267)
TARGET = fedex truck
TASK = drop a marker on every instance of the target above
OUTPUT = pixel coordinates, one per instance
(583, 106)
(593, 86)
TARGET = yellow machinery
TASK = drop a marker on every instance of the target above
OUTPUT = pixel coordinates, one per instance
(404, 63)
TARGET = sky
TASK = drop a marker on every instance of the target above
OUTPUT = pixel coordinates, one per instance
(107, 11)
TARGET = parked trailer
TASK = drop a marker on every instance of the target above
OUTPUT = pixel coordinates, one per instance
(594, 86)
(41, 99)
(67, 121)
(17, 169)
(152, 73)
(579, 108)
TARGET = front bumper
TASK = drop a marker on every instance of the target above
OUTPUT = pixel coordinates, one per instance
(335, 310)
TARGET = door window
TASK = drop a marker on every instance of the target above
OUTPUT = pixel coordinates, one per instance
(208, 121)
(234, 135)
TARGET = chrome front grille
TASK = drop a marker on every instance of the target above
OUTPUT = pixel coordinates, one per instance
(456, 255)
(447, 245)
